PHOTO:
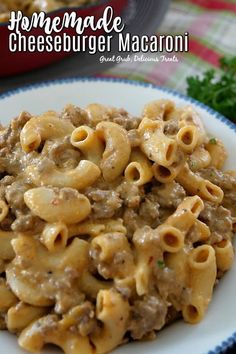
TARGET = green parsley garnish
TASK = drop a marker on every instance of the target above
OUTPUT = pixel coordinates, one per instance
(161, 264)
(213, 141)
(217, 91)
(192, 164)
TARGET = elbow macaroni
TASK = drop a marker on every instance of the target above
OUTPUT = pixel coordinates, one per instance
(199, 159)
(202, 263)
(6, 250)
(4, 209)
(86, 139)
(38, 129)
(188, 138)
(139, 170)
(21, 315)
(105, 240)
(217, 152)
(224, 255)
(195, 184)
(155, 144)
(84, 175)
(51, 205)
(117, 151)
(113, 311)
(55, 236)
(159, 109)
(166, 174)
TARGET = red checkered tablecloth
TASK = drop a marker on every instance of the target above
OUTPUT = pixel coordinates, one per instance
(212, 28)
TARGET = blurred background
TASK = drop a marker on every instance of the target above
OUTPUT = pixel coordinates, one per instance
(212, 28)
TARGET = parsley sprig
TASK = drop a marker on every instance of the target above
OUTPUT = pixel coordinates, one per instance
(161, 264)
(218, 93)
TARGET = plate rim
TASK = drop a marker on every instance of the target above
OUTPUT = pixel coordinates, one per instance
(73, 79)
(231, 340)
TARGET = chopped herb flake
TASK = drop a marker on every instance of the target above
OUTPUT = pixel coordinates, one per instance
(192, 163)
(161, 264)
(213, 141)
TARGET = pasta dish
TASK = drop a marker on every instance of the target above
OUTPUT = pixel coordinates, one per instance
(111, 226)
(30, 6)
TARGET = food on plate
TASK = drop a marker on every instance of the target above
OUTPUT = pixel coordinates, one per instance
(111, 226)
(30, 6)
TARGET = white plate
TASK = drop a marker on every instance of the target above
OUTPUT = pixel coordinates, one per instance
(216, 331)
